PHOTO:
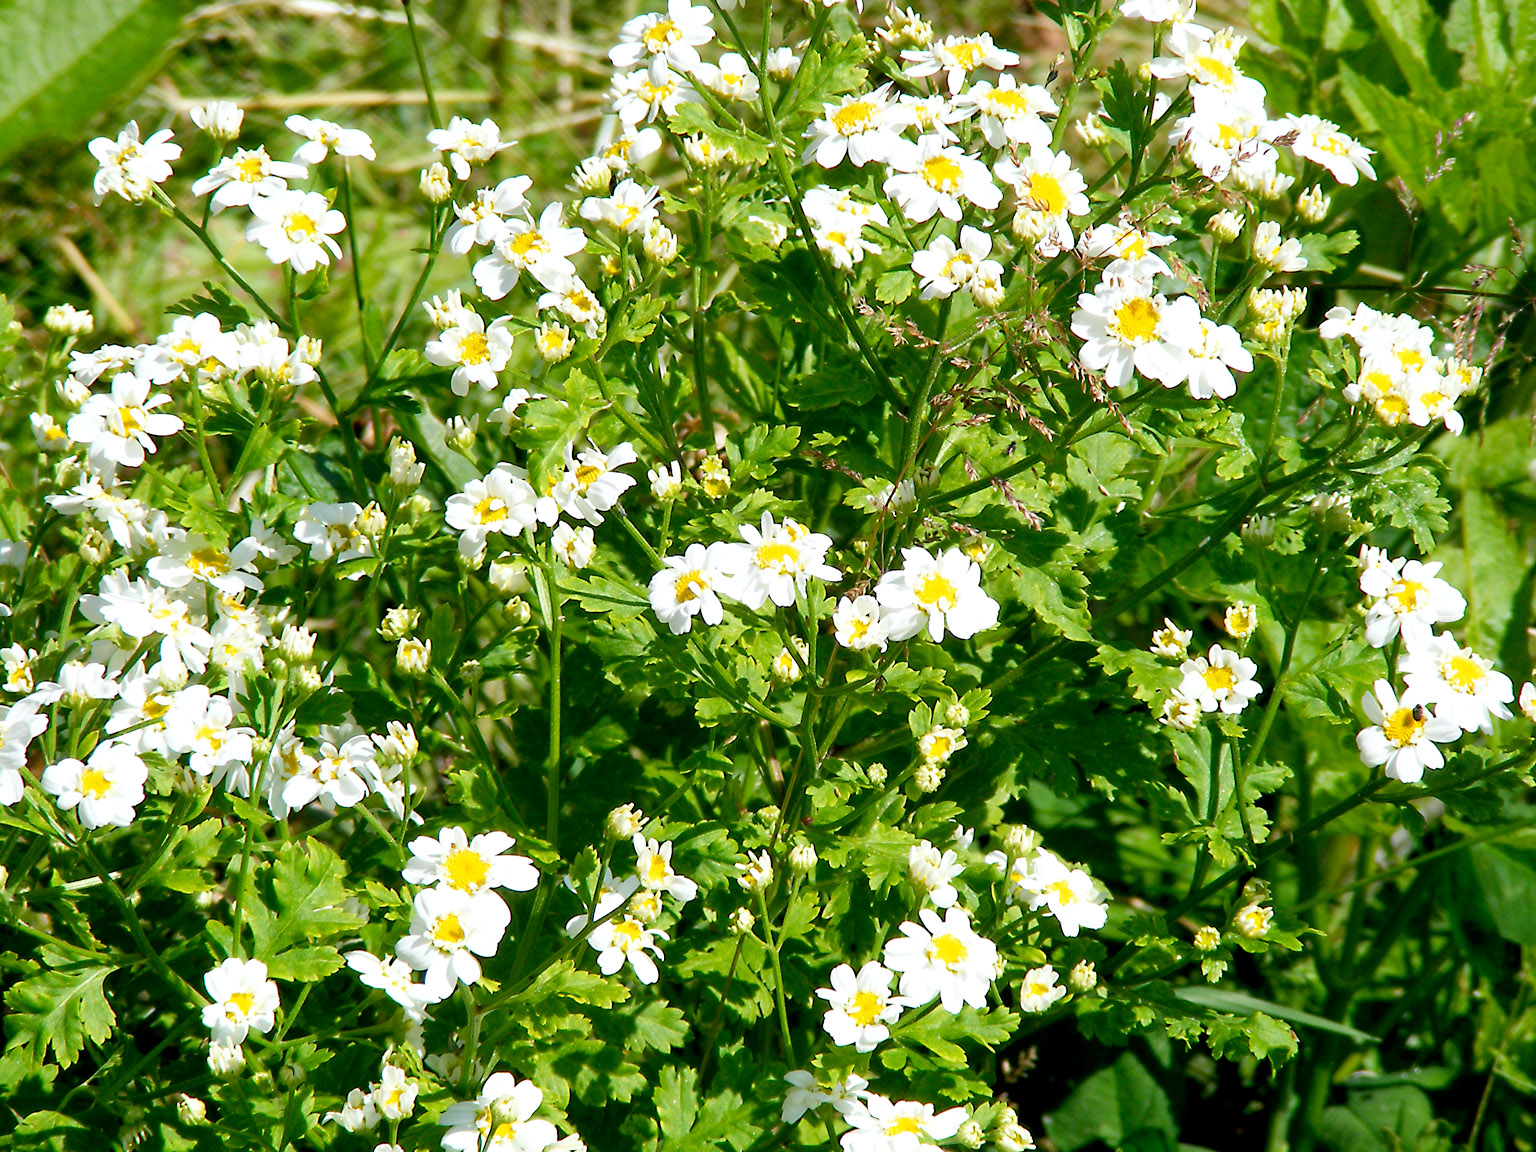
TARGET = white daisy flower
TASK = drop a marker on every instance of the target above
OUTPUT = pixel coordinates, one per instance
(1404, 734)
(331, 530)
(1128, 328)
(393, 978)
(686, 587)
(943, 958)
(468, 143)
(120, 427)
(321, 137)
(675, 36)
(243, 999)
(448, 930)
(500, 1119)
(943, 269)
(861, 128)
(624, 940)
(857, 623)
(1313, 138)
(242, 179)
(131, 167)
(502, 501)
(1408, 600)
(861, 1006)
(933, 870)
(1069, 894)
(957, 57)
(881, 1125)
(938, 594)
(1211, 352)
(933, 177)
(543, 250)
(20, 724)
(592, 482)
(484, 219)
(1010, 114)
(474, 867)
(296, 228)
(1464, 687)
(1222, 680)
(476, 353)
(1040, 990)
(775, 562)
(104, 790)
(653, 868)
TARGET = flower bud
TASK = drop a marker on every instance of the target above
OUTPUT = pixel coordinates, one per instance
(371, 521)
(405, 472)
(1240, 620)
(714, 476)
(459, 433)
(1084, 977)
(435, 184)
(71, 391)
(660, 243)
(1014, 1138)
(742, 921)
(593, 177)
(221, 119)
(666, 480)
(957, 714)
(554, 341)
(508, 577)
(1253, 920)
(296, 643)
(67, 320)
(95, 547)
(1225, 226)
(399, 745)
(786, 667)
(226, 1061)
(645, 906)
(399, 622)
(1020, 840)
(782, 63)
(1207, 938)
(518, 610)
(624, 822)
(972, 1134)
(756, 873)
(876, 773)
(1090, 130)
(306, 677)
(929, 775)
(1313, 204)
(418, 507)
(987, 289)
(310, 349)
(291, 1075)
(1258, 531)
(413, 657)
(802, 858)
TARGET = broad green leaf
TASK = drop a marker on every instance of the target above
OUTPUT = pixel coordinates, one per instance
(60, 1009)
(1113, 1105)
(62, 63)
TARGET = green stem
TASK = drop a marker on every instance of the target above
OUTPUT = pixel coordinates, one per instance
(421, 65)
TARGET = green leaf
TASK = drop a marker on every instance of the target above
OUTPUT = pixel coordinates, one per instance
(565, 980)
(59, 65)
(306, 904)
(60, 1009)
(54, 1132)
(1320, 249)
(1112, 1105)
(895, 286)
(1238, 1002)
(216, 302)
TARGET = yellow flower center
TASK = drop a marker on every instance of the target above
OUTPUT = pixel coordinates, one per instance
(1405, 595)
(1219, 679)
(491, 510)
(935, 591)
(1137, 319)
(691, 585)
(251, 168)
(208, 562)
(1392, 408)
(660, 35)
(94, 783)
(1214, 70)
(300, 226)
(1403, 726)
(962, 54)
(474, 349)
(854, 117)
(587, 475)
(1038, 988)
(527, 244)
(778, 557)
(627, 934)
(465, 870)
(1062, 892)
(243, 1002)
(1044, 193)
(941, 173)
(1009, 102)
(657, 870)
(132, 418)
(448, 932)
(866, 1008)
(948, 950)
(1462, 673)
(939, 748)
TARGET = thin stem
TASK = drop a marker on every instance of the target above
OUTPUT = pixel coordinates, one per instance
(357, 272)
(421, 65)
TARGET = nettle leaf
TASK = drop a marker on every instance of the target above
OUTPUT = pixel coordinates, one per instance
(942, 1033)
(60, 1010)
(1259, 1035)
(686, 1123)
(1320, 250)
(1409, 497)
(565, 980)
